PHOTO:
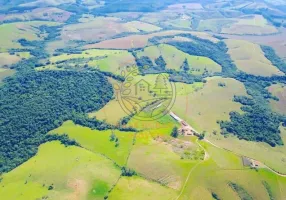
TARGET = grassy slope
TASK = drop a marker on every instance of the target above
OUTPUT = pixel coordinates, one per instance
(249, 58)
(98, 141)
(72, 171)
(204, 107)
(12, 32)
(129, 188)
(222, 167)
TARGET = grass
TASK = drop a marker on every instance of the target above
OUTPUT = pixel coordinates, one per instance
(144, 27)
(215, 103)
(99, 141)
(279, 91)
(249, 58)
(156, 160)
(12, 32)
(212, 176)
(274, 157)
(73, 172)
(129, 188)
(175, 58)
(111, 113)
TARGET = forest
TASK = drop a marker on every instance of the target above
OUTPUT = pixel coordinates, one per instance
(34, 103)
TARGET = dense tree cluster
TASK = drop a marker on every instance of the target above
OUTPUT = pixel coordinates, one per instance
(276, 60)
(33, 103)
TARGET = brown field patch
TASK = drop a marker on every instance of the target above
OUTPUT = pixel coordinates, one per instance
(279, 91)
(79, 187)
(50, 14)
(140, 41)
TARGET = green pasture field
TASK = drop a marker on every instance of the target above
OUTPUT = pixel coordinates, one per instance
(99, 141)
(71, 172)
(175, 58)
(156, 159)
(249, 58)
(274, 157)
(215, 103)
(129, 187)
(215, 174)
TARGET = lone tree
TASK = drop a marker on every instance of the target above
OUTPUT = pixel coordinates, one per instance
(161, 83)
(185, 66)
(160, 62)
(175, 132)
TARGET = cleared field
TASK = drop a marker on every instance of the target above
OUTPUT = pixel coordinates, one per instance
(249, 58)
(175, 59)
(4, 72)
(129, 187)
(251, 25)
(99, 141)
(12, 32)
(101, 28)
(157, 159)
(215, 103)
(144, 27)
(274, 157)
(279, 91)
(50, 14)
(7, 59)
(59, 172)
(215, 174)
(246, 25)
(111, 113)
(140, 41)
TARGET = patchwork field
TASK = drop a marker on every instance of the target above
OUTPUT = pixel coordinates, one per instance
(99, 141)
(175, 58)
(140, 41)
(129, 187)
(11, 33)
(279, 91)
(59, 172)
(249, 58)
(215, 103)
